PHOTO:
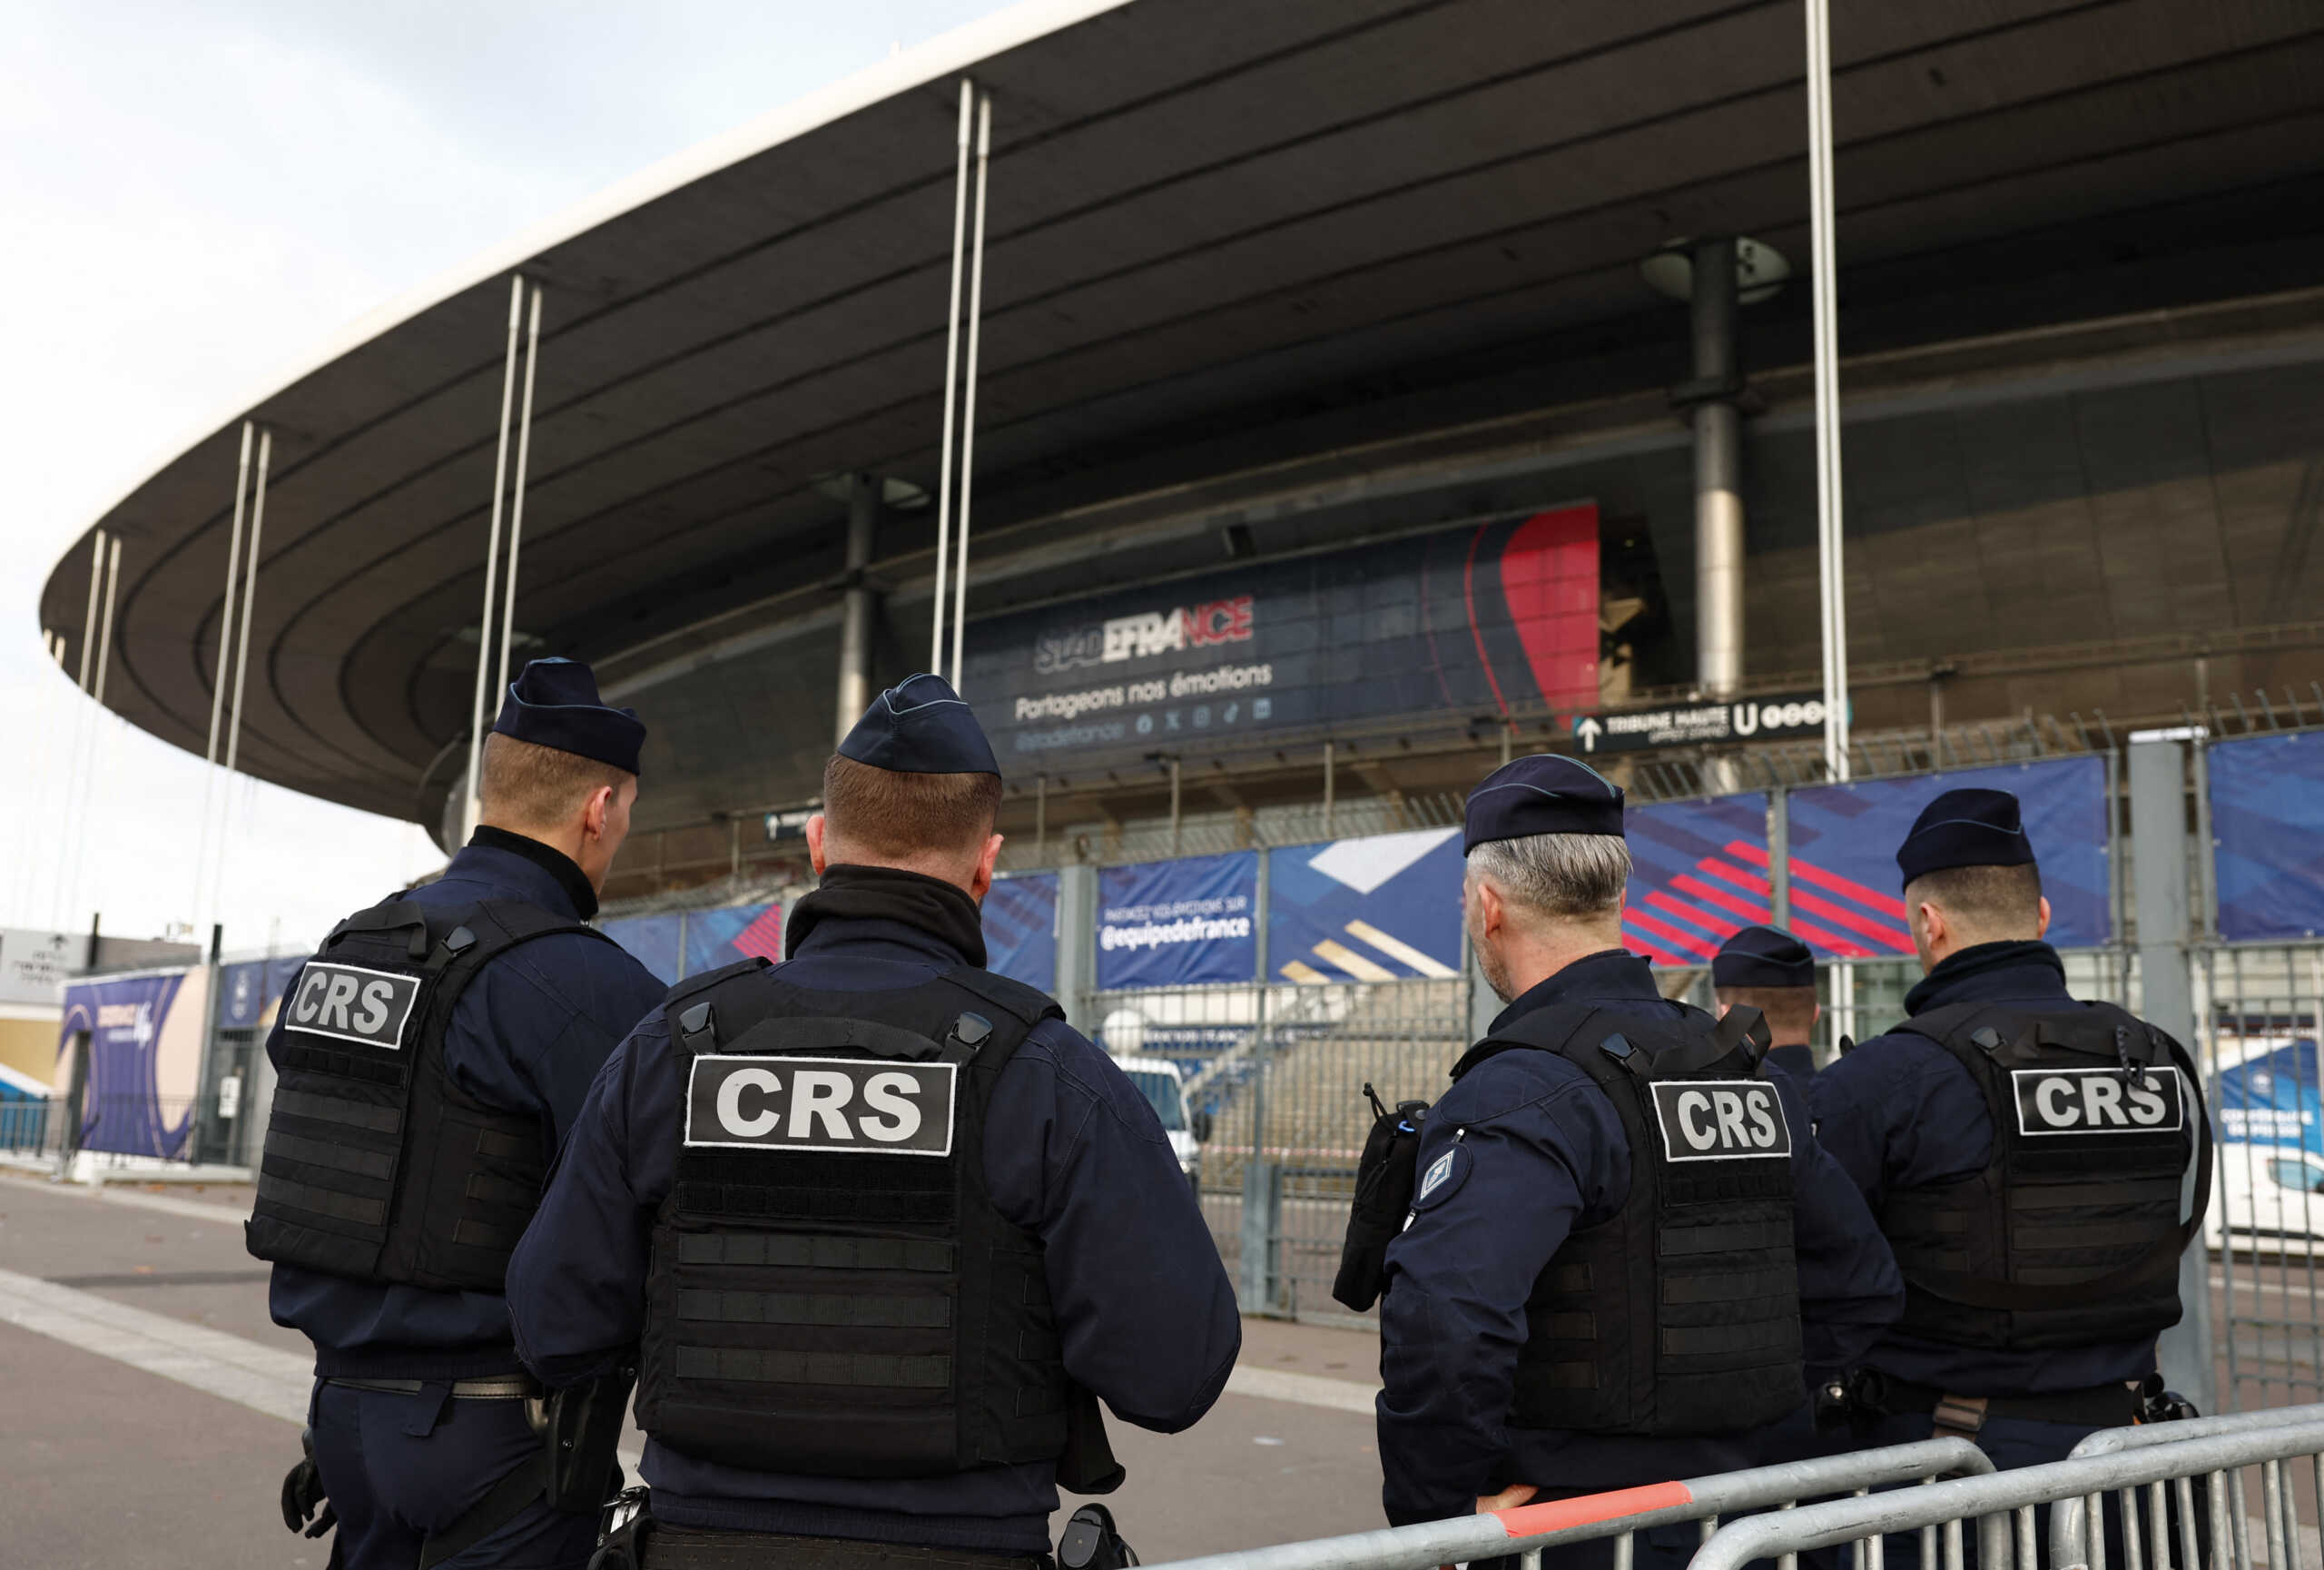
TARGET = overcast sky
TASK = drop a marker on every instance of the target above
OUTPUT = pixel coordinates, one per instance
(197, 196)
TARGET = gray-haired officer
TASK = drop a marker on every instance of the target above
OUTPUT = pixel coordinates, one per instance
(2001, 1101)
(1768, 968)
(878, 1226)
(431, 1056)
(1626, 1258)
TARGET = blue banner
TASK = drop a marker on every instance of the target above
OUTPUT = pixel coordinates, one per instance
(144, 1054)
(1382, 908)
(1846, 902)
(249, 990)
(2272, 1098)
(651, 941)
(2267, 801)
(1020, 929)
(1178, 923)
(1698, 875)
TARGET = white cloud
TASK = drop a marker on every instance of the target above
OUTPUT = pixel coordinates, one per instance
(197, 196)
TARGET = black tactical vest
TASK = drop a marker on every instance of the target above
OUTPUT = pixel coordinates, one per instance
(1680, 1314)
(832, 1291)
(376, 1166)
(2071, 1234)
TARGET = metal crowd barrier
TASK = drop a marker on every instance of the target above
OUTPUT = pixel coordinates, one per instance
(2004, 1498)
(2074, 1546)
(1528, 1529)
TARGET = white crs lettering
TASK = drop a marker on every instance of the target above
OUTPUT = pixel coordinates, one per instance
(1721, 1119)
(303, 1010)
(2097, 1100)
(821, 1104)
(377, 996)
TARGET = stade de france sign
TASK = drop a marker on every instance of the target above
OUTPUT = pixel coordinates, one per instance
(1702, 724)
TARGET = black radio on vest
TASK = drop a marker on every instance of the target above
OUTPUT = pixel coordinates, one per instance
(1679, 1314)
(377, 1165)
(2071, 1233)
(833, 1292)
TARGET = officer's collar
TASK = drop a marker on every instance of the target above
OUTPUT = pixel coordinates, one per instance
(571, 881)
(1943, 984)
(1607, 974)
(923, 904)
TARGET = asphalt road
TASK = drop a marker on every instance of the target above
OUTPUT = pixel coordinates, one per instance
(153, 1405)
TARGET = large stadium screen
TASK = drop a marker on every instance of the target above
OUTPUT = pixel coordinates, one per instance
(1495, 619)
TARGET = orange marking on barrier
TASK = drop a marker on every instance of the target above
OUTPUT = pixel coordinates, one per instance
(1533, 1520)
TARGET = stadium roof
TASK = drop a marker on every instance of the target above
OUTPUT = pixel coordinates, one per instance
(1226, 240)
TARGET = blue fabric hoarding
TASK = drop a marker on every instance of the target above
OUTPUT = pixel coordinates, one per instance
(143, 1053)
(2270, 1098)
(2267, 801)
(1380, 908)
(1178, 923)
(1020, 929)
(1844, 898)
(248, 987)
(651, 941)
(1698, 875)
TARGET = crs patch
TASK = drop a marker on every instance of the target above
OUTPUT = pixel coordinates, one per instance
(352, 1004)
(2099, 1102)
(824, 1104)
(1721, 1120)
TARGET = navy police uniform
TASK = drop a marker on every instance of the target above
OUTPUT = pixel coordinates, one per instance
(405, 1432)
(1913, 1117)
(1528, 1154)
(1763, 957)
(783, 1315)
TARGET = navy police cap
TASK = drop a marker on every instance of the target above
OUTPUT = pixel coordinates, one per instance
(1966, 828)
(553, 703)
(1540, 795)
(921, 726)
(1763, 957)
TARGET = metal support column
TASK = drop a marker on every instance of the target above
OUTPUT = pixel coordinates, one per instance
(1077, 945)
(242, 669)
(218, 678)
(1821, 267)
(69, 809)
(2166, 930)
(1040, 816)
(101, 733)
(492, 556)
(1329, 773)
(1175, 819)
(1719, 472)
(951, 383)
(968, 398)
(517, 503)
(855, 614)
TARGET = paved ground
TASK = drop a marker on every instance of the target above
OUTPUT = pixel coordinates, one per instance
(153, 1405)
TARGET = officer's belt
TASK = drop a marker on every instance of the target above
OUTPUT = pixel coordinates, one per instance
(2107, 1405)
(669, 1547)
(500, 1388)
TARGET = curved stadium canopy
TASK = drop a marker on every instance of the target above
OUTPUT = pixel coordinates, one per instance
(1237, 253)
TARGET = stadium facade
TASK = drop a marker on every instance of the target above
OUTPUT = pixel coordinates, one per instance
(1332, 433)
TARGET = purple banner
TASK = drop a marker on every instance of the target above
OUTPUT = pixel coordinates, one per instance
(143, 1054)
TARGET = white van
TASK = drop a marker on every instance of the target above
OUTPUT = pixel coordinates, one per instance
(1159, 1081)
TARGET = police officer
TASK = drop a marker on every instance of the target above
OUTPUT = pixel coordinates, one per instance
(430, 1056)
(1620, 1223)
(2002, 1100)
(877, 1224)
(1768, 968)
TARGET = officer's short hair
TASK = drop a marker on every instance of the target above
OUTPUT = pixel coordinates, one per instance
(1558, 874)
(1985, 899)
(540, 787)
(887, 812)
(1790, 1010)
